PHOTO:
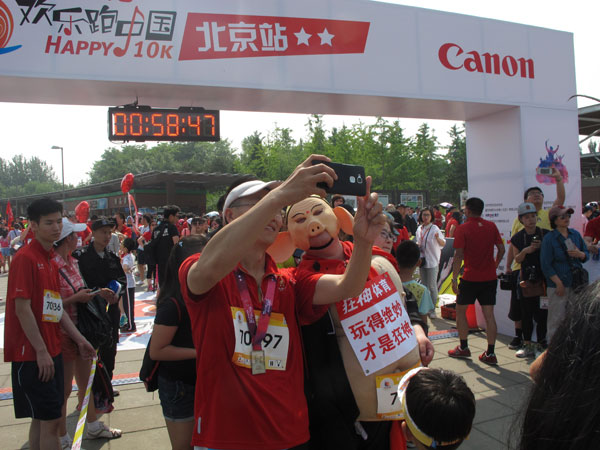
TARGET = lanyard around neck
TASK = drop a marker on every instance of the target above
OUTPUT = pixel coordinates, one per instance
(258, 332)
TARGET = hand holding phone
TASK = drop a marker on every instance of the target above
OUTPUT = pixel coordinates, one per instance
(351, 179)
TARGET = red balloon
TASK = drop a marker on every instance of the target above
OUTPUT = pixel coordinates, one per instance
(82, 212)
(127, 183)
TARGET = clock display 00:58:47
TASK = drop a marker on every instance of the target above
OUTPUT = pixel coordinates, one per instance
(163, 125)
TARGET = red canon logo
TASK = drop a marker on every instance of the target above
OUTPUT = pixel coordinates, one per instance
(450, 57)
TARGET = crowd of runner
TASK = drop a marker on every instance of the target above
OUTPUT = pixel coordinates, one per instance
(264, 312)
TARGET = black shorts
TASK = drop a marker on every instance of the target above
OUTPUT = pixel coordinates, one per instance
(141, 257)
(514, 311)
(484, 291)
(34, 398)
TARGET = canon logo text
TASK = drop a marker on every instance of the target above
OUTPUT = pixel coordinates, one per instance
(453, 57)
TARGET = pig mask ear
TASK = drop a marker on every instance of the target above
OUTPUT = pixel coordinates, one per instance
(345, 219)
(282, 248)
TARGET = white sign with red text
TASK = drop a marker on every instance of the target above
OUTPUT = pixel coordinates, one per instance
(377, 325)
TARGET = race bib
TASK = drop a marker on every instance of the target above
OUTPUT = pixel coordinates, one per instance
(377, 325)
(389, 405)
(543, 302)
(275, 343)
(52, 309)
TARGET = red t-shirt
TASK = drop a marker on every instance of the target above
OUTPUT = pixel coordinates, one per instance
(234, 409)
(307, 275)
(32, 272)
(477, 237)
(449, 224)
(125, 230)
(592, 229)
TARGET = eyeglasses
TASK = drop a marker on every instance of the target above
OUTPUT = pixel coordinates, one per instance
(385, 235)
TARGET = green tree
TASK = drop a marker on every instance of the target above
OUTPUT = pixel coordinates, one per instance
(22, 176)
(253, 156)
(431, 167)
(317, 141)
(184, 156)
(456, 178)
(282, 154)
(399, 155)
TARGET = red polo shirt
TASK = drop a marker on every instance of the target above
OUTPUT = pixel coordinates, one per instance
(32, 272)
(234, 409)
(477, 237)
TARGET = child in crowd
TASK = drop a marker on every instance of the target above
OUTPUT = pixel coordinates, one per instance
(128, 300)
(408, 256)
(438, 408)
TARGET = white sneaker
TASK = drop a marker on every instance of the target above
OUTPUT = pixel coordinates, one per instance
(432, 315)
(527, 351)
(101, 431)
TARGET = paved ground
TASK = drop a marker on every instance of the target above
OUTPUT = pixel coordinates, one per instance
(499, 392)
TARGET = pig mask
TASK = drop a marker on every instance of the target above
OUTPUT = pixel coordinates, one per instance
(312, 224)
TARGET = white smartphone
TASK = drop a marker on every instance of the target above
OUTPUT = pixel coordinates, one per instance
(570, 245)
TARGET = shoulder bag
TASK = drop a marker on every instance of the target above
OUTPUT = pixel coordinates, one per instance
(92, 319)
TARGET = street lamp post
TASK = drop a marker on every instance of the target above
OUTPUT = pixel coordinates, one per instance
(62, 163)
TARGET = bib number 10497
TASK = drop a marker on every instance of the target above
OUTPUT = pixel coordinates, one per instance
(275, 344)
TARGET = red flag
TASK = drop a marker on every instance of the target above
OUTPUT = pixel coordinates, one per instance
(9, 214)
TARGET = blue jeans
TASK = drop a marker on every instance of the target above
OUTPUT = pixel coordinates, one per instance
(176, 399)
(429, 279)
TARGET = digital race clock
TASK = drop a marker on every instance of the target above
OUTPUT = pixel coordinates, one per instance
(143, 123)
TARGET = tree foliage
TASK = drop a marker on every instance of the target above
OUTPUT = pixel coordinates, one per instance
(395, 160)
(22, 176)
(184, 157)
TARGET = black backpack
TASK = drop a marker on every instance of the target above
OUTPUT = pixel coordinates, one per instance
(151, 248)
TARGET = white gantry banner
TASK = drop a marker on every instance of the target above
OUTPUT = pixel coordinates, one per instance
(337, 47)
